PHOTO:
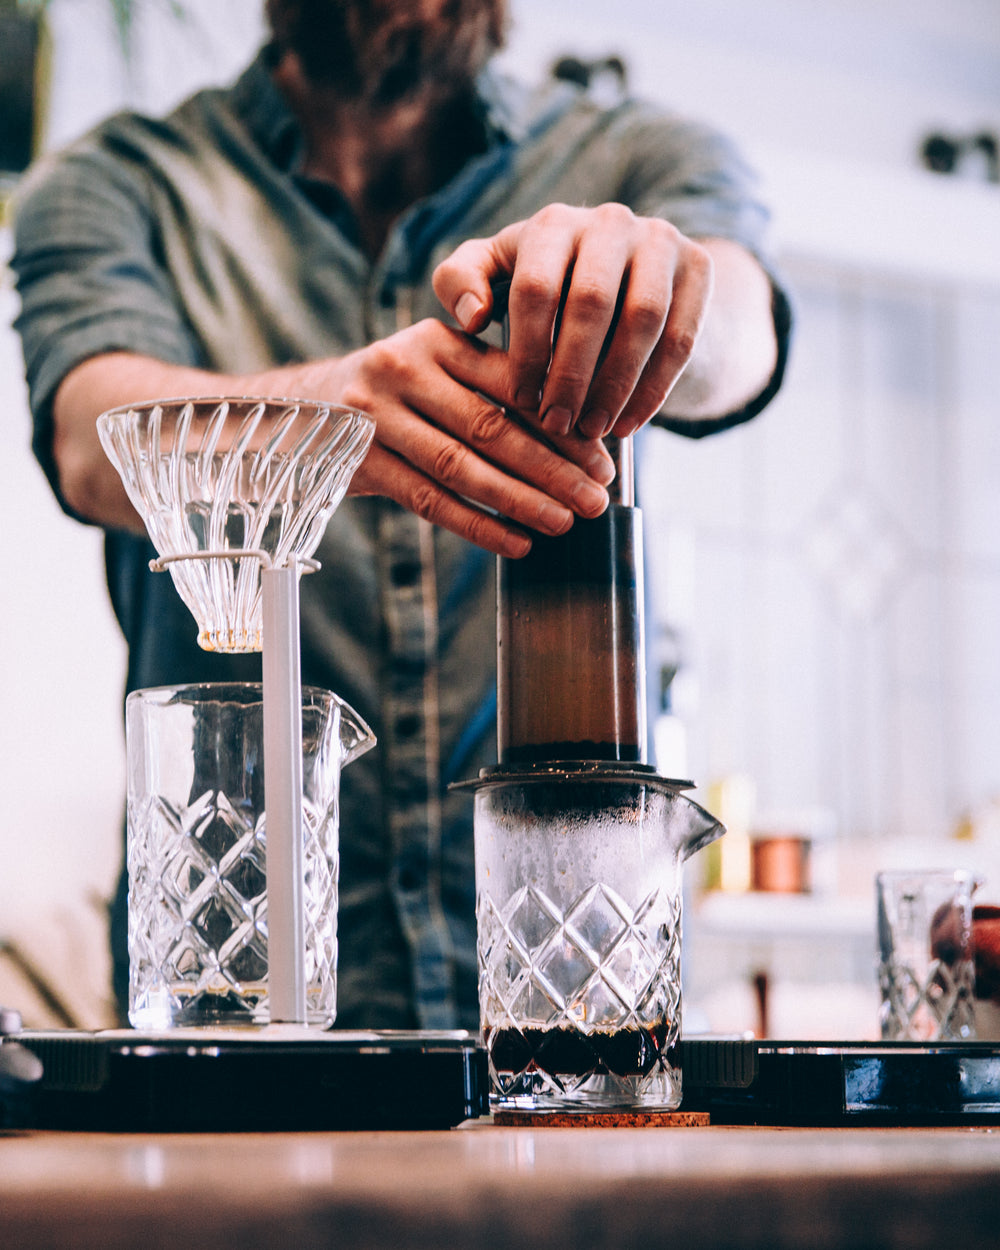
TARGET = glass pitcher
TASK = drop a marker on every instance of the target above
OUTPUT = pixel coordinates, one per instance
(197, 852)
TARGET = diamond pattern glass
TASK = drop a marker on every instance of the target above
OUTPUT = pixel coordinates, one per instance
(197, 853)
(559, 1003)
(579, 938)
(926, 960)
(941, 1007)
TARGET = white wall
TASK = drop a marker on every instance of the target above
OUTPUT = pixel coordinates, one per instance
(861, 79)
(851, 84)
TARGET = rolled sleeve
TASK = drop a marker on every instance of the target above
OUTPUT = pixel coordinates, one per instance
(89, 280)
(700, 182)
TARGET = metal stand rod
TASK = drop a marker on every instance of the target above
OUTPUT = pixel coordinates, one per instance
(282, 682)
(622, 489)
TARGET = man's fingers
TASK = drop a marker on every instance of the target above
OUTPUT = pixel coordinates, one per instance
(490, 371)
(463, 281)
(599, 278)
(673, 351)
(546, 250)
(384, 473)
(605, 309)
(475, 450)
(467, 456)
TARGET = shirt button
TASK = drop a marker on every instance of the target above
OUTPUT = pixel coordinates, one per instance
(411, 872)
(408, 667)
(410, 881)
(405, 573)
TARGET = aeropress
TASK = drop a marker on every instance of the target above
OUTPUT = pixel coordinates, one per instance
(579, 842)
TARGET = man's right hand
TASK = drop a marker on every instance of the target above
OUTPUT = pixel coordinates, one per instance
(462, 460)
(441, 449)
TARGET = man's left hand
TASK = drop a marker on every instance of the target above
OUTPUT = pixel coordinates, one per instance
(605, 309)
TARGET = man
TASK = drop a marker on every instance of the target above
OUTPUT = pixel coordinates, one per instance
(308, 233)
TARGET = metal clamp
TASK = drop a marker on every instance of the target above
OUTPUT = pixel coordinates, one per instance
(159, 565)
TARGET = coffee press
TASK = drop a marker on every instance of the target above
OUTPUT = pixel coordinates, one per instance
(579, 842)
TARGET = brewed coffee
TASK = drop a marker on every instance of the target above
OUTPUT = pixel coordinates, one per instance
(573, 1052)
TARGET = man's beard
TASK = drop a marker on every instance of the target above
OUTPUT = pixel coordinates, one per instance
(380, 52)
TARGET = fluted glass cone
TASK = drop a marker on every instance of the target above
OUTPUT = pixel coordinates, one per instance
(236, 475)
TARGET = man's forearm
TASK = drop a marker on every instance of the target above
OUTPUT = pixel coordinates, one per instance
(737, 350)
(87, 479)
(442, 449)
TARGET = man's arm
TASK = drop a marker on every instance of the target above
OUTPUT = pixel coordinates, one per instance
(441, 449)
(737, 351)
(645, 316)
(643, 319)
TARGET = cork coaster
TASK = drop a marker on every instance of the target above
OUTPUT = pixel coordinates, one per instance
(601, 1119)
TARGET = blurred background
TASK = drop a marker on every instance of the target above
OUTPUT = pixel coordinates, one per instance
(825, 639)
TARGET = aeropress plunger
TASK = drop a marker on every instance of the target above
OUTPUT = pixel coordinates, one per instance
(571, 677)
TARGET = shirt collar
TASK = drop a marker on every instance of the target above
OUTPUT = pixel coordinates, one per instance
(265, 110)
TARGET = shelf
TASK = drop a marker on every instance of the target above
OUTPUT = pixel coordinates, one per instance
(759, 914)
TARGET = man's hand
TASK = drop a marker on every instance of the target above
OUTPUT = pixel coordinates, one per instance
(605, 311)
(444, 445)
(614, 318)
(446, 448)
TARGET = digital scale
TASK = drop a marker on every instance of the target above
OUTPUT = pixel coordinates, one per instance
(902, 1084)
(229, 1080)
(279, 1079)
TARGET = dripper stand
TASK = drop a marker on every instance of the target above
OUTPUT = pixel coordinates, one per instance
(235, 494)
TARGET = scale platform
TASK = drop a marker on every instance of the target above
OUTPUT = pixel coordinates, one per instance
(905, 1084)
(232, 1080)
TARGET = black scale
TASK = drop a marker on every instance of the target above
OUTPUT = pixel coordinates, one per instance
(229, 1080)
(277, 1079)
(822, 1084)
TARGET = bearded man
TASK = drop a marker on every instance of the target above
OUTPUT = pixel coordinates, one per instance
(333, 226)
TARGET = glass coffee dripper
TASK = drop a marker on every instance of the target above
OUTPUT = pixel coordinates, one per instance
(235, 494)
(229, 487)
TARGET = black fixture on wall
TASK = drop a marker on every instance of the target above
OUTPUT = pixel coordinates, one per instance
(962, 154)
(21, 87)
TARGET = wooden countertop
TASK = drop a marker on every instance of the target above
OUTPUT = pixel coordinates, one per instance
(485, 1185)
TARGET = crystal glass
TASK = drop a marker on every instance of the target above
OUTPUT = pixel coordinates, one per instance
(926, 961)
(221, 476)
(578, 882)
(197, 852)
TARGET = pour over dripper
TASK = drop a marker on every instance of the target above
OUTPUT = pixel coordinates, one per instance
(227, 487)
(235, 494)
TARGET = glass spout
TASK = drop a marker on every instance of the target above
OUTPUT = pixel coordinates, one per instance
(356, 736)
(698, 827)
